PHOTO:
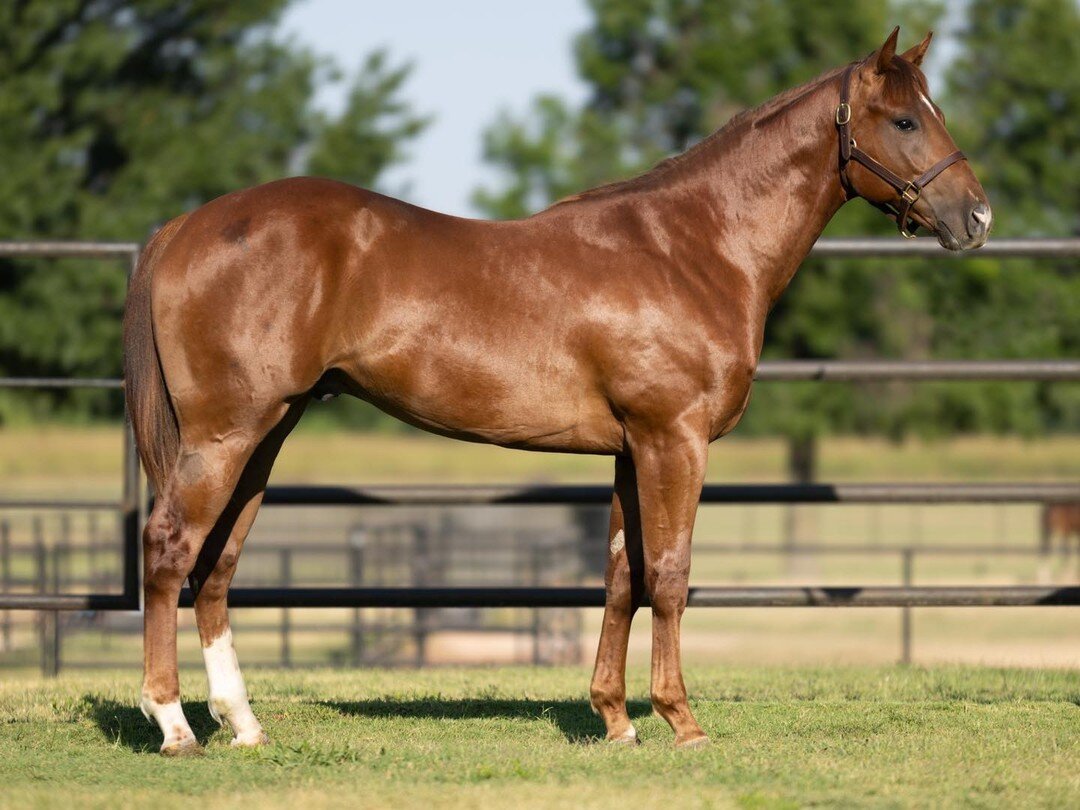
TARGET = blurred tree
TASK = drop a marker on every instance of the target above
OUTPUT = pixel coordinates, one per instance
(1014, 104)
(116, 115)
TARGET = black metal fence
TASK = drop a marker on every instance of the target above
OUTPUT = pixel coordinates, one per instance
(78, 557)
(388, 636)
(535, 597)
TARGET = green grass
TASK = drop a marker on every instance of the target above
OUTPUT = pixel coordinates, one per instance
(879, 737)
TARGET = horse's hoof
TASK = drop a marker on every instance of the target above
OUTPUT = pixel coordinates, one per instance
(184, 748)
(693, 743)
(628, 738)
(250, 742)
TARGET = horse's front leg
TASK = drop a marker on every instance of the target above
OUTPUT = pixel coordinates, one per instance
(625, 586)
(670, 467)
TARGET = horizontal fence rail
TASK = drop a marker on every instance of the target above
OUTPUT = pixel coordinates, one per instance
(600, 494)
(918, 371)
(61, 382)
(1025, 248)
(884, 247)
(574, 597)
(779, 371)
(44, 249)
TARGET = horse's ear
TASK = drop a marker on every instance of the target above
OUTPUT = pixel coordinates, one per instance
(885, 54)
(915, 55)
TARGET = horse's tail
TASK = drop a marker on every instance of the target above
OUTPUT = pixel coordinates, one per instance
(157, 433)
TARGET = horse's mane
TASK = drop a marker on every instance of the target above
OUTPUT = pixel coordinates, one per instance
(897, 82)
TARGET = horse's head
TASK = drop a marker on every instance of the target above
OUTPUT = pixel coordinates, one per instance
(897, 154)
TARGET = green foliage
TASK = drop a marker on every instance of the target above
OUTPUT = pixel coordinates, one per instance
(118, 115)
(1014, 104)
(370, 134)
(664, 74)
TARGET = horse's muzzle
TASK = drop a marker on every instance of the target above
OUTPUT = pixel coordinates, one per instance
(970, 232)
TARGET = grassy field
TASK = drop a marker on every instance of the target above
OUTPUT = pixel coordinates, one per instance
(87, 460)
(853, 737)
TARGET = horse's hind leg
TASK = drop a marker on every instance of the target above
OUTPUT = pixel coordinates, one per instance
(210, 581)
(202, 481)
(625, 585)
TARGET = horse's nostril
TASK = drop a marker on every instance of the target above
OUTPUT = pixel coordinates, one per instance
(979, 224)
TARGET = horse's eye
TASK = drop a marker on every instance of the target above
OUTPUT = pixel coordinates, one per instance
(904, 124)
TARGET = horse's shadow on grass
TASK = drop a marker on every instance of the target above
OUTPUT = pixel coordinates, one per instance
(124, 725)
(574, 719)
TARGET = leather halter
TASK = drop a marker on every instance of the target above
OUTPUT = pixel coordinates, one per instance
(909, 190)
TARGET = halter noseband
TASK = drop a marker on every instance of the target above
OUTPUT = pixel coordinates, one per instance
(909, 191)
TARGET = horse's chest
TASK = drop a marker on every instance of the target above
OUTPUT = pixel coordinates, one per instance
(733, 378)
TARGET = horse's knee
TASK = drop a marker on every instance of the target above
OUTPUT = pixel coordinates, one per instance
(169, 553)
(667, 580)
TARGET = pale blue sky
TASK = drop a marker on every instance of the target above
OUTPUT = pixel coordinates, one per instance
(472, 58)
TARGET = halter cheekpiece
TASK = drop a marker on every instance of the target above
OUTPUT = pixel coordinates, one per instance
(909, 190)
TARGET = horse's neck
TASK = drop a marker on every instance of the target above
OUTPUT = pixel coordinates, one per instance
(768, 189)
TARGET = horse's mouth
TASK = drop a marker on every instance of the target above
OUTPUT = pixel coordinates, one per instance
(946, 238)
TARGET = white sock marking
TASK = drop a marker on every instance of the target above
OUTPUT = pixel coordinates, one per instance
(170, 719)
(618, 542)
(228, 696)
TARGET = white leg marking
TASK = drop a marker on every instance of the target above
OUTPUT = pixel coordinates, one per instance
(618, 542)
(228, 696)
(170, 719)
(628, 736)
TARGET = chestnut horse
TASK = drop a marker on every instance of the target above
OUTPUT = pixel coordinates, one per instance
(624, 321)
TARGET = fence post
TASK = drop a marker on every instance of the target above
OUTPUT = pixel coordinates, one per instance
(356, 556)
(286, 581)
(907, 563)
(421, 564)
(536, 619)
(60, 562)
(46, 618)
(91, 550)
(5, 579)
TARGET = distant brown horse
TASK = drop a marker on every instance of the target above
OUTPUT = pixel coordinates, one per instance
(625, 321)
(1060, 521)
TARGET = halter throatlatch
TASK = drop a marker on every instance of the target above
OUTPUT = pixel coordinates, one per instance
(909, 190)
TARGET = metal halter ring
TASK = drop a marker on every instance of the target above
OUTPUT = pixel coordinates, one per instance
(911, 194)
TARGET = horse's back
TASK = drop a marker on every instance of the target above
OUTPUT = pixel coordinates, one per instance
(454, 324)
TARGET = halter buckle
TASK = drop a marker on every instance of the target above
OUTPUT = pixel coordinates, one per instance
(911, 193)
(843, 114)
